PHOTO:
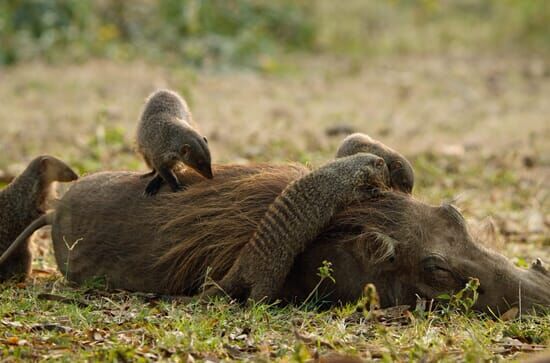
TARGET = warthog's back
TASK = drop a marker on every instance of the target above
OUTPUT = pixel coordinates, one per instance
(101, 229)
(105, 227)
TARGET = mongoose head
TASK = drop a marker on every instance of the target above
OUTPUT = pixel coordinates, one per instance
(401, 175)
(52, 169)
(401, 171)
(370, 171)
(195, 154)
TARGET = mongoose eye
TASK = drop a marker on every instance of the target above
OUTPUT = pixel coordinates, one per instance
(379, 164)
(185, 149)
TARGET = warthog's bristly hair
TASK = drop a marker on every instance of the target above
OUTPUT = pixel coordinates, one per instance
(228, 212)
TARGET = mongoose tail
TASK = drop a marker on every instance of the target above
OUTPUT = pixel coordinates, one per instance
(401, 170)
(38, 223)
(295, 218)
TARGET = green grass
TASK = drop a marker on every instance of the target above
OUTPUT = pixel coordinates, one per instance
(125, 327)
(257, 34)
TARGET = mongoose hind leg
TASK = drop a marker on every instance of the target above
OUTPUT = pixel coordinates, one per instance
(164, 175)
(18, 267)
(242, 282)
(153, 186)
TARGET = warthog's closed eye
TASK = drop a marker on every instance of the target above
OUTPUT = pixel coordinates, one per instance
(438, 273)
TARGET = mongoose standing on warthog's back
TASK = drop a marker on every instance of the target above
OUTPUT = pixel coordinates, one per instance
(22, 202)
(166, 138)
(401, 171)
(295, 218)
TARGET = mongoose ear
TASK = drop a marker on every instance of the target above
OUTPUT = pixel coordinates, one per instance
(205, 139)
(185, 149)
(44, 163)
(396, 164)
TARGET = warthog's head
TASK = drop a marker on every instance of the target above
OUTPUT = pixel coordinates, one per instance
(410, 249)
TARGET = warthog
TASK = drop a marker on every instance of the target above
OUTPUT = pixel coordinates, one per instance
(104, 227)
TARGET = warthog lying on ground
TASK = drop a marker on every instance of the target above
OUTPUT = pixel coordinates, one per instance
(104, 227)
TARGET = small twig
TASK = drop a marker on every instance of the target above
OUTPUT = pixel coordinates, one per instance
(519, 291)
(70, 249)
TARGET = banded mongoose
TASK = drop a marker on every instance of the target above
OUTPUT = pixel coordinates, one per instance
(401, 170)
(303, 209)
(22, 202)
(165, 138)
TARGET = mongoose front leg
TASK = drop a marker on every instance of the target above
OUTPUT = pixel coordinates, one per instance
(169, 177)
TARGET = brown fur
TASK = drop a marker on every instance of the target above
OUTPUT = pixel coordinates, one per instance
(166, 244)
(295, 218)
(165, 138)
(23, 201)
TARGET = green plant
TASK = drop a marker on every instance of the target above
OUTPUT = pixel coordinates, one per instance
(463, 300)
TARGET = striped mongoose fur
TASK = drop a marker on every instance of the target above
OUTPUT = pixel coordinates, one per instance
(401, 170)
(294, 219)
(22, 202)
(166, 138)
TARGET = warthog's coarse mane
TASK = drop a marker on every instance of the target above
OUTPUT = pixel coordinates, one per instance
(207, 225)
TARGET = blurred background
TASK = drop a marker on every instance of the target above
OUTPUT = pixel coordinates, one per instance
(461, 87)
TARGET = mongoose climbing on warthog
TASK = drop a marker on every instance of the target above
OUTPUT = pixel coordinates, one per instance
(22, 202)
(166, 138)
(295, 218)
(401, 171)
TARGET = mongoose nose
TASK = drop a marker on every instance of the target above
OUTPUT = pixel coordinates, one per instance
(207, 173)
(70, 175)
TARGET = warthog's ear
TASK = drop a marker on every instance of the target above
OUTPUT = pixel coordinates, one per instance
(451, 213)
(382, 248)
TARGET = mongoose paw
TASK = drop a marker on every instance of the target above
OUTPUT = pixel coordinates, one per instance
(177, 188)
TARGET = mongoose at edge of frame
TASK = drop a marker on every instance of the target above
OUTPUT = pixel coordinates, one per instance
(21, 202)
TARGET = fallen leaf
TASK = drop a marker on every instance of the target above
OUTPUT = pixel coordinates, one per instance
(334, 357)
(16, 341)
(13, 324)
(510, 314)
(312, 339)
